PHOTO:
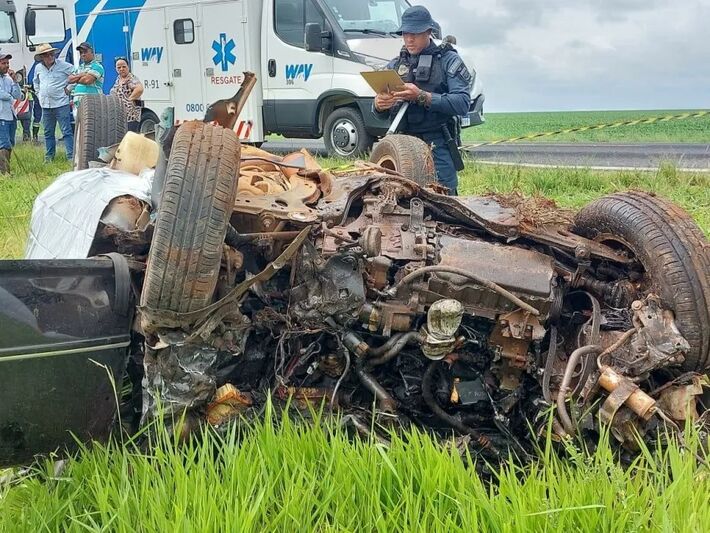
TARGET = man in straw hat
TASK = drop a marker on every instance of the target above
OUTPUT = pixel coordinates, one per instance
(9, 91)
(50, 82)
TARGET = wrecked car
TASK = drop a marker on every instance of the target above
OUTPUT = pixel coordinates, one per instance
(363, 289)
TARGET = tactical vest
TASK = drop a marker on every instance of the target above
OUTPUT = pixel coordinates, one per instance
(427, 72)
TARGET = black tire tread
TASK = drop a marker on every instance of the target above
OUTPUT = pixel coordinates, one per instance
(195, 208)
(103, 123)
(411, 156)
(674, 252)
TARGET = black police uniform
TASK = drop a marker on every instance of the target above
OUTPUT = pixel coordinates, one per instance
(440, 71)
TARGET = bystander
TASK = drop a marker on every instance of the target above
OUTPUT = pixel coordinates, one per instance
(88, 77)
(9, 92)
(50, 84)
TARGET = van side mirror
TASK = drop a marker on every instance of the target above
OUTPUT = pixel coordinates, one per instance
(31, 22)
(314, 37)
(44, 24)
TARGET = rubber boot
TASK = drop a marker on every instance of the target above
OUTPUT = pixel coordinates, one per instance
(35, 132)
(5, 161)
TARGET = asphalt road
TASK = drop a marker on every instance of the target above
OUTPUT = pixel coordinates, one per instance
(596, 155)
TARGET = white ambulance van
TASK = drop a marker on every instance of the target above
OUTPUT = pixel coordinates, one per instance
(307, 54)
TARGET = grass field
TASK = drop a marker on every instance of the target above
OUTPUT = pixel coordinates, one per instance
(30, 175)
(291, 477)
(509, 125)
(284, 476)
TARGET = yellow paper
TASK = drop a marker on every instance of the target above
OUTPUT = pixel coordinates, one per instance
(383, 81)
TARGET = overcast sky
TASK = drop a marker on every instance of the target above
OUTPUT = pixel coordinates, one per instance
(584, 54)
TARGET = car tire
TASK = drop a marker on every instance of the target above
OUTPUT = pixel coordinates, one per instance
(407, 155)
(196, 204)
(345, 134)
(148, 122)
(673, 251)
(100, 122)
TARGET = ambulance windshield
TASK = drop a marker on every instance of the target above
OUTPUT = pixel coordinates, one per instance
(367, 17)
(8, 28)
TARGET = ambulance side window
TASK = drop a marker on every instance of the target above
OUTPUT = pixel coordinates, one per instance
(291, 17)
(184, 31)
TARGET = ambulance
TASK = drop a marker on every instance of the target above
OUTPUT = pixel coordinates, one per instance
(307, 55)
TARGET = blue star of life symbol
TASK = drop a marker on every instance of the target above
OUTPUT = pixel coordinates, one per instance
(223, 52)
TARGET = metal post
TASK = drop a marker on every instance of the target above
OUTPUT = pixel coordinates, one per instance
(398, 118)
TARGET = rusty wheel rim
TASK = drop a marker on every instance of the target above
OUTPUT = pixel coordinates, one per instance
(387, 162)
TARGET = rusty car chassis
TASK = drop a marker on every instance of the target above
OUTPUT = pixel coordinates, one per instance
(487, 318)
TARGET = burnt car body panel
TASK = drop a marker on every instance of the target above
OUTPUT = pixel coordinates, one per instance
(64, 340)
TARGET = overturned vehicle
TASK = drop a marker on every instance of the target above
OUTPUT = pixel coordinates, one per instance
(251, 276)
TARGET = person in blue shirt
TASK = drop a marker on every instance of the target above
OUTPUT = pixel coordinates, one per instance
(9, 92)
(88, 76)
(50, 84)
(437, 85)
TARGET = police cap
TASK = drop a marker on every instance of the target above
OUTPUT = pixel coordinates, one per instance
(416, 19)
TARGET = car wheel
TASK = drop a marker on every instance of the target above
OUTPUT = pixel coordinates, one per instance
(149, 121)
(345, 134)
(100, 122)
(673, 251)
(196, 204)
(407, 155)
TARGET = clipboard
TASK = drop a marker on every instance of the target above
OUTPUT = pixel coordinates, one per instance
(383, 81)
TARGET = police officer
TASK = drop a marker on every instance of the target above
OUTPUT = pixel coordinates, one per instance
(438, 86)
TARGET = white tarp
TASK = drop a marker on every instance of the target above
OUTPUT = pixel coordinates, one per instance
(67, 213)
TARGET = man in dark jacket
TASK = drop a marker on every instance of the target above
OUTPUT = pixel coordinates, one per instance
(437, 85)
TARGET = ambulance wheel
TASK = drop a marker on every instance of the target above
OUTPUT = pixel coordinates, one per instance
(149, 121)
(345, 134)
(195, 207)
(409, 156)
(100, 122)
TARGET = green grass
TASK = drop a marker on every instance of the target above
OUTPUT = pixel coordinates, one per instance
(509, 125)
(286, 476)
(576, 187)
(30, 175)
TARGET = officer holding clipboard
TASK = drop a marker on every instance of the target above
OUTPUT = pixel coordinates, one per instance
(435, 89)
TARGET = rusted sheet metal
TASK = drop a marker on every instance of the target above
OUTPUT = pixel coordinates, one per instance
(289, 204)
(228, 403)
(303, 397)
(680, 402)
(562, 238)
(126, 213)
(490, 210)
(484, 213)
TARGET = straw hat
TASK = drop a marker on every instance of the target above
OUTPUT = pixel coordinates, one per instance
(43, 49)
